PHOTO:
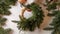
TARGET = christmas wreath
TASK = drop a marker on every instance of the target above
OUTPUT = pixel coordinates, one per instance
(32, 22)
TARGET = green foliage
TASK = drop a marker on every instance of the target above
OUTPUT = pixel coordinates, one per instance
(53, 13)
(5, 6)
(2, 21)
(56, 24)
(56, 21)
(52, 6)
(10, 2)
(32, 22)
(4, 9)
(5, 31)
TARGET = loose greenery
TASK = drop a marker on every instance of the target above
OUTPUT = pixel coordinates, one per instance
(56, 21)
(5, 31)
(5, 5)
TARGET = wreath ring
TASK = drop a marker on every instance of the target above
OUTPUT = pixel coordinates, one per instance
(34, 21)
